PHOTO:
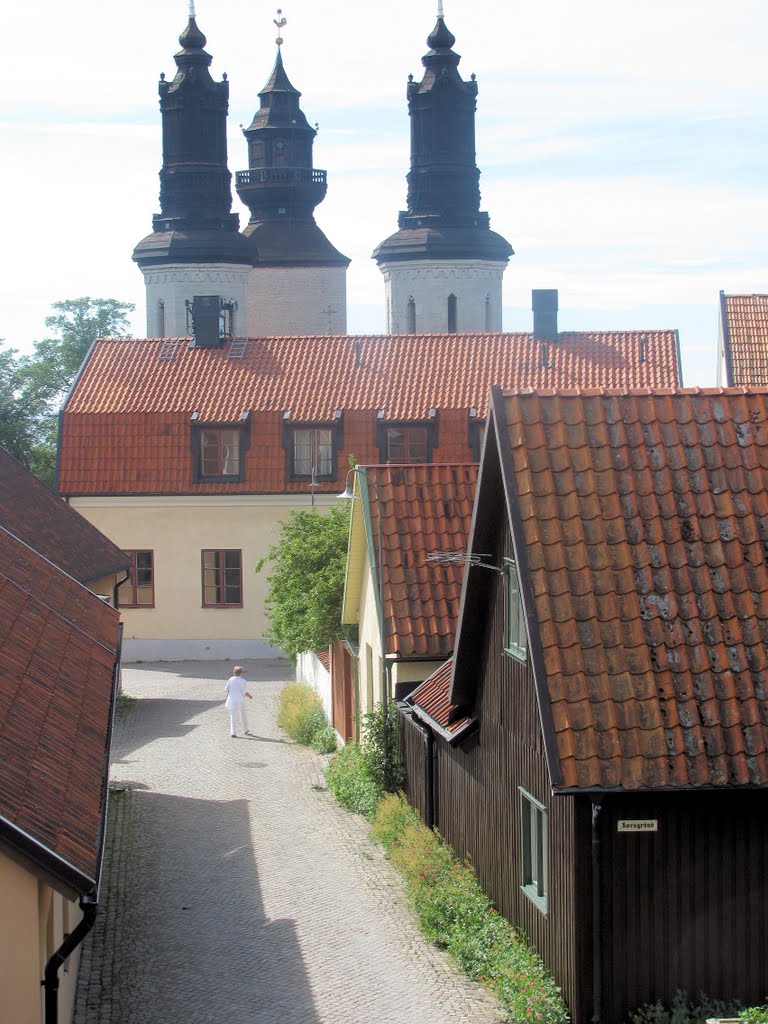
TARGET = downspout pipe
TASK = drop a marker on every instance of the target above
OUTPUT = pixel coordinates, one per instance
(429, 757)
(89, 906)
(117, 585)
(597, 874)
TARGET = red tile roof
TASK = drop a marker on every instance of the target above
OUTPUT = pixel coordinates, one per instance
(58, 648)
(324, 657)
(127, 421)
(744, 322)
(424, 509)
(644, 522)
(431, 702)
(38, 516)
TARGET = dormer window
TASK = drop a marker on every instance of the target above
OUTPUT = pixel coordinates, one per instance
(406, 444)
(311, 449)
(218, 451)
(403, 441)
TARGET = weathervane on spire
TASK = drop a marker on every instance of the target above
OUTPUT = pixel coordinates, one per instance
(191, 8)
(440, 9)
(281, 23)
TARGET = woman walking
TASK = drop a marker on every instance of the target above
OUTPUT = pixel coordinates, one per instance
(235, 703)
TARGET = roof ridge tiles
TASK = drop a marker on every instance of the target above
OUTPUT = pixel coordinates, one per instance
(435, 336)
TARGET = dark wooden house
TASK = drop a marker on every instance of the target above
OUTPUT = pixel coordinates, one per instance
(598, 747)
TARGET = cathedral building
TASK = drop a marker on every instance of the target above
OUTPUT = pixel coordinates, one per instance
(281, 275)
(443, 267)
(298, 281)
(195, 248)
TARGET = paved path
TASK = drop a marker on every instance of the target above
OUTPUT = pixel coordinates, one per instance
(236, 891)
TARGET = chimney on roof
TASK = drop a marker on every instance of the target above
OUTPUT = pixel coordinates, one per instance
(209, 320)
(544, 313)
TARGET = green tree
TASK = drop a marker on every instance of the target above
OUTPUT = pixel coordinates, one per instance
(306, 581)
(75, 324)
(15, 419)
(33, 387)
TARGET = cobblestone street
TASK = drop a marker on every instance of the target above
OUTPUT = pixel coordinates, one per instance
(236, 890)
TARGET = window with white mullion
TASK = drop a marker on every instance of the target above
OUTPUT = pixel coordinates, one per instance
(313, 452)
(515, 638)
(533, 838)
(219, 452)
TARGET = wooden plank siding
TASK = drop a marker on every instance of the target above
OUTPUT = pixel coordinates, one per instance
(477, 805)
(413, 749)
(687, 906)
(343, 691)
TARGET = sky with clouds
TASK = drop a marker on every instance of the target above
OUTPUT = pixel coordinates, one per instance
(623, 147)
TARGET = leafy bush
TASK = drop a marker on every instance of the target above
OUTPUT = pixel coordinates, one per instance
(381, 748)
(349, 779)
(359, 774)
(325, 740)
(310, 723)
(754, 1015)
(681, 1011)
(301, 716)
(296, 702)
(456, 914)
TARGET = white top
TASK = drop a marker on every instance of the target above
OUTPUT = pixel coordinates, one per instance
(235, 691)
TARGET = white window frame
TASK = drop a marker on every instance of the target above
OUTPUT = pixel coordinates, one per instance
(515, 634)
(533, 842)
(313, 453)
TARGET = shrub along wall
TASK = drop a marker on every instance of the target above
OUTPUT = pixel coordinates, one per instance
(300, 715)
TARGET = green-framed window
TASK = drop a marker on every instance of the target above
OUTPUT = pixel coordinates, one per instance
(515, 636)
(533, 832)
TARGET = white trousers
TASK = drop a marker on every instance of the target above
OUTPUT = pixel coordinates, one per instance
(235, 714)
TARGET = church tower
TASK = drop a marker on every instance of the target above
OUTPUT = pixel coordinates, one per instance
(195, 249)
(443, 268)
(298, 281)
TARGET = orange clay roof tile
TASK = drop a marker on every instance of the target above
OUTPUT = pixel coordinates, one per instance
(744, 323)
(430, 701)
(126, 425)
(38, 516)
(424, 509)
(58, 649)
(649, 581)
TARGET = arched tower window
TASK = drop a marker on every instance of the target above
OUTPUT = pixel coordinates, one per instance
(488, 323)
(160, 319)
(410, 316)
(453, 305)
